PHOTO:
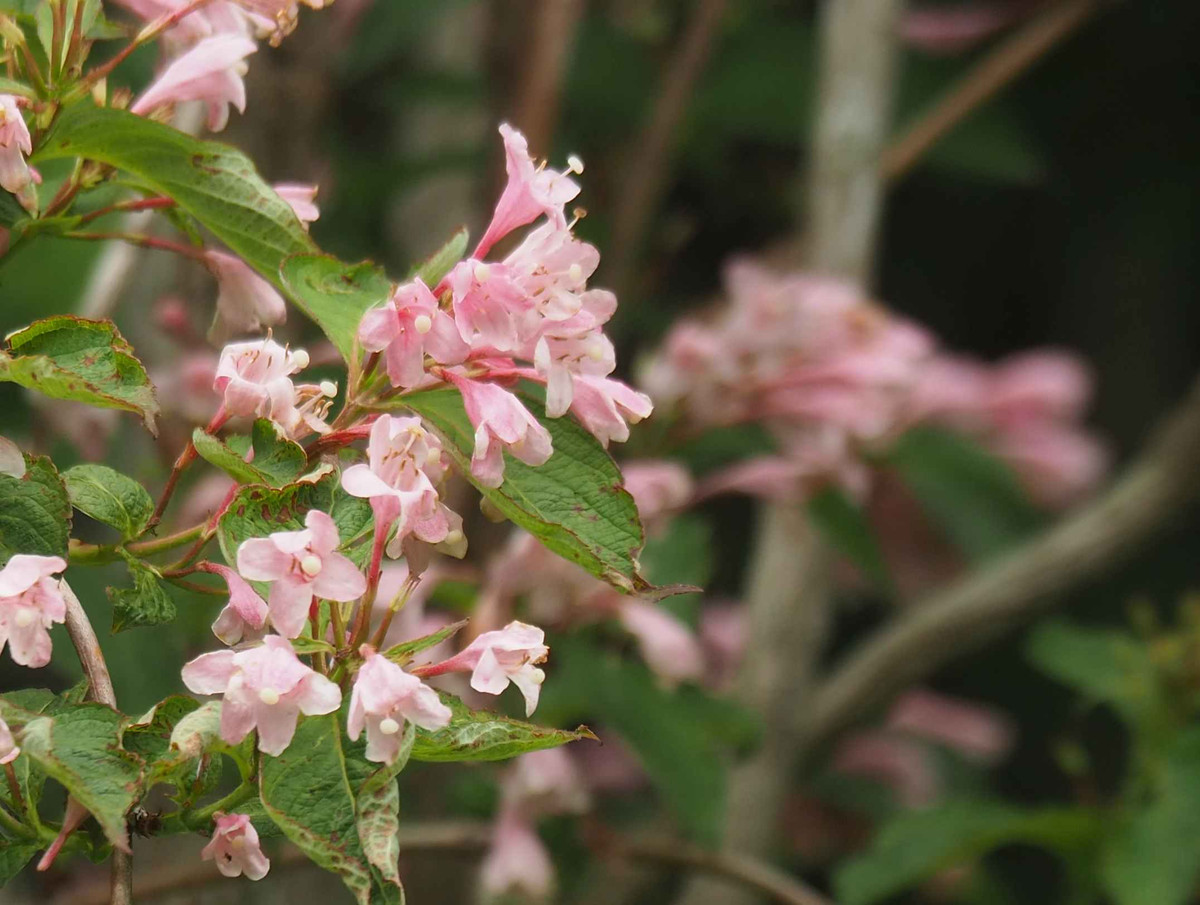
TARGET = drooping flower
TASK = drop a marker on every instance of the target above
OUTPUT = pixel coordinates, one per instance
(302, 565)
(531, 191)
(546, 783)
(235, 847)
(244, 617)
(73, 819)
(516, 862)
(302, 199)
(408, 327)
(384, 697)
(659, 487)
(607, 407)
(245, 301)
(255, 379)
(8, 745)
(501, 422)
(15, 146)
(30, 602)
(669, 648)
(212, 71)
(496, 658)
(490, 307)
(977, 732)
(265, 687)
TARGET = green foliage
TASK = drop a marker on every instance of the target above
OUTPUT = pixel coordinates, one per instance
(35, 514)
(847, 528)
(403, 652)
(110, 497)
(438, 264)
(30, 703)
(67, 357)
(477, 735)
(146, 603)
(277, 459)
(575, 503)
(335, 294)
(13, 858)
(972, 495)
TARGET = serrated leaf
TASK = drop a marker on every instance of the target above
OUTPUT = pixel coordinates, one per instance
(375, 776)
(379, 830)
(24, 705)
(277, 460)
(110, 497)
(335, 294)
(403, 652)
(146, 603)
(479, 735)
(35, 514)
(150, 736)
(438, 264)
(80, 747)
(308, 793)
(257, 511)
(575, 504)
(849, 531)
(67, 357)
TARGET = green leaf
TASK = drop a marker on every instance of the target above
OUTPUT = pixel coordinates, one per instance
(1153, 858)
(438, 264)
(917, 844)
(146, 603)
(379, 830)
(13, 858)
(973, 495)
(277, 459)
(11, 211)
(575, 504)
(335, 294)
(24, 705)
(35, 514)
(403, 652)
(215, 183)
(110, 497)
(80, 747)
(67, 357)
(199, 733)
(304, 646)
(308, 793)
(478, 735)
(847, 528)
(257, 511)
(1106, 665)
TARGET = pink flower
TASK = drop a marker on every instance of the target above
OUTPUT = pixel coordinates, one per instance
(235, 847)
(898, 763)
(244, 617)
(531, 191)
(266, 688)
(607, 407)
(8, 745)
(384, 697)
(972, 730)
(659, 487)
(15, 145)
(410, 325)
(212, 72)
(516, 862)
(30, 602)
(302, 565)
(302, 198)
(559, 359)
(490, 307)
(667, 645)
(500, 422)
(545, 782)
(255, 379)
(245, 302)
(948, 30)
(495, 659)
(552, 267)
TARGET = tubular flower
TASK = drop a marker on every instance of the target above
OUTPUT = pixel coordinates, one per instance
(245, 302)
(235, 848)
(254, 379)
(500, 422)
(30, 602)
(212, 71)
(244, 617)
(384, 697)
(495, 659)
(407, 328)
(264, 687)
(302, 565)
(15, 145)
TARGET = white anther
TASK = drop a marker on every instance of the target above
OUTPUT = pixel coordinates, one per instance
(311, 565)
(269, 696)
(328, 388)
(482, 272)
(574, 164)
(575, 273)
(423, 323)
(454, 537)
(300, 359)
(25, 618)
(389, 726)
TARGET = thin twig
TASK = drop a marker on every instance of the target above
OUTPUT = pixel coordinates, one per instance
(1164, 480)
(545, 62)
(996, 71)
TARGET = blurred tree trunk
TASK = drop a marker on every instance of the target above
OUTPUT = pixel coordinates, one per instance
(789, 596)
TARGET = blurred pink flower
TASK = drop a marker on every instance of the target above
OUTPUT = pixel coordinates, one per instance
(245, 301)
(8, 745)
(952, 29)
(211, 71)
(30, 602)
(302, 198)
(516, 862)
(545, 783)
(668, 646)
(902, 765)
(235, 848)
(659, 487)
(723, 637)
(974, 731)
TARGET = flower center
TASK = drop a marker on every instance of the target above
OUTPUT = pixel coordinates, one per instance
(389, 726)
(311, 565)
(423, 323)
(269, 696)
(25, 618)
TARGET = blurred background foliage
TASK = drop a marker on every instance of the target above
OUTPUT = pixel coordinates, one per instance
(1064, 212)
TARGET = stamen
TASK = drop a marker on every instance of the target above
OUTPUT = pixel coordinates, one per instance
(311, 565)
(574, 164)
(482, 272)
(389, 726)
(269, 696)
(423, 323)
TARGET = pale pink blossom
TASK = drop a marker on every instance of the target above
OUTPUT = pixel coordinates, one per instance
(302, 565)
(244, 617)
(607, 407)
(516, 862)
(235, 847)
(15, 146)
(8, 745)
(952, 29)
(496, 658)
(219, 17)
(254, 379)
(531, 191)
(30, 602)
(901, 764)
(1057, 464)
(246, 303)
(212, 72)
(659, 487)
(552, 267)
(490, 307)
(545, 783)
(265, 687)
(407, 328)
(383, 699)
(975, 731)
(302, 198)
(723, 638)
(501, 423)
(668, 646)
